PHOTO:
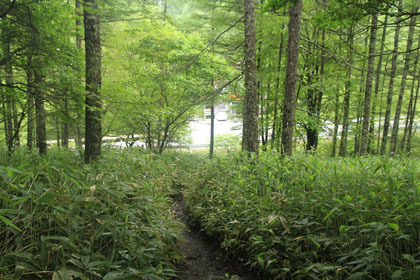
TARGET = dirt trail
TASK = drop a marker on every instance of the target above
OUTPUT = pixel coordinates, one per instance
(203, 260)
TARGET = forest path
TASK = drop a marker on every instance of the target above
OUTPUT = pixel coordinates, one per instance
(203, 259)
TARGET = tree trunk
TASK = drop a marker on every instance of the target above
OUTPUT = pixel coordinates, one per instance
(391, 85)
(41, 132)
(65, 133)
(413, 113)
(409, 110)
(8, 72)
(346, 105)
(79, 101)
(5, 120)
(368, 88)
(93, 139)
(30, 106)
(377, 82)
(274, 138)
(395, 128)
(250, 122)
(212, 116)
(289, 106)
(336, 125)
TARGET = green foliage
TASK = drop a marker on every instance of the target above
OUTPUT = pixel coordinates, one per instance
(309, 217)
(61, 219)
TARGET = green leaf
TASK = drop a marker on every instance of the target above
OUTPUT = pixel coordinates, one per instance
(62, 274)
(9, 223)
(409, 258)
(329, 214)
(394, 226)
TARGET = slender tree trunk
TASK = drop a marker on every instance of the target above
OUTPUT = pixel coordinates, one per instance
(368, 88)
(391, 85)
(358, 122)
(409, 109)
(40, 116)
(30, 106)
(336, 124)
(41, 132)
(346, 105)
(413, 113)
(5, 120)
(93, 140)
(289, 106)
(395, 128)
(165, 9)
(250, 125)
(8, 72)
(377, 82)
(57, 129)
(321, 90)
(276, 125)
(212, 116)
(65, 133)
(267, 112)
(378, 144)
(79, 101)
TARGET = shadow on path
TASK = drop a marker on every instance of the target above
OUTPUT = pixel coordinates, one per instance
(203, 258)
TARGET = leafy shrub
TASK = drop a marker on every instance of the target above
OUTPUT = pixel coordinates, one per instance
(60, 218)
(309, 217)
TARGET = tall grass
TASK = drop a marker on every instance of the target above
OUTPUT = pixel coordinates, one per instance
(60, 218)
(312, 218)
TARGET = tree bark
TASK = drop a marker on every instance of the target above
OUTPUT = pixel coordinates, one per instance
(93, 126)
(274, 137)
(409, 110)
(368, 88)
(346, 106)
(336, 125)
(413, 113)
(391, 84)
(30, 106)
(395, 128)
(41, 131)
(79, 101)
(250, 122)
(377, 82)
(289, 106)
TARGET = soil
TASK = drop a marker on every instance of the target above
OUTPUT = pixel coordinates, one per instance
(203, 258)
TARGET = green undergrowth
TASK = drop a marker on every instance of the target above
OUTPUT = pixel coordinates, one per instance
(62, 219)
(311, 218)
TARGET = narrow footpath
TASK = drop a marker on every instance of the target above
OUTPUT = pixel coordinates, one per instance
(203, 260)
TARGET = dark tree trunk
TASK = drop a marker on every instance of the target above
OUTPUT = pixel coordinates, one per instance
(41, 132)
(368, 88)
(30, 106)
(409, 110)
(275, 139)
(377, 82)
(289, 106)
(93, 117)
(65, 133)
(395, 128)
(391, 85)
(346, 105)
(413, 113)
(79, 101)
(5, 120)
(336, 125)
(8, 112)
(250, 125)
